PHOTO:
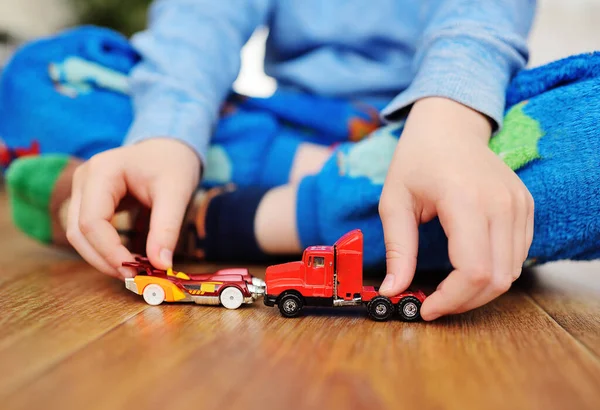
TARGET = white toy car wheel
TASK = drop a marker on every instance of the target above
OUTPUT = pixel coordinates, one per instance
(231, 298)
(154, 294)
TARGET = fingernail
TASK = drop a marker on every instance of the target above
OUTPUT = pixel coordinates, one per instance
(126, 273)
(166, 257)
(388, 283)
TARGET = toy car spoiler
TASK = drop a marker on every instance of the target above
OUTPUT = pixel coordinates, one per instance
(142, 263)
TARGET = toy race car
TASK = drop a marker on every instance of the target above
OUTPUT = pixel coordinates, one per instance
(228, 287)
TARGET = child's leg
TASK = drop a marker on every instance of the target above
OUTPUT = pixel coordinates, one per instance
(285, 219)
(39, 191)
(251, 148)
(40, 188)
(65, 98)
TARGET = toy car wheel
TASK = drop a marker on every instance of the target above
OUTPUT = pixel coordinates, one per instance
(290, 305)
(154, 294)
(409, 308)
(380, 308)
(231, 298)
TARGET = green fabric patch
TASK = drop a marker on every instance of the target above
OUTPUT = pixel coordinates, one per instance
(516, 143)
(219, 169)
(371, 157)
(30, 182)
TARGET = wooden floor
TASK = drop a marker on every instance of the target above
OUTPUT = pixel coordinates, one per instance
(72, 338)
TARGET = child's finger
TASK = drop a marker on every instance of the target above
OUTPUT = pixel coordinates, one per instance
(523, 228)
(503, 232)
(76, 238)
(530, 225)
(469, 248)
(519, 240)
(99, 199)
(169, 205)
(401, 235)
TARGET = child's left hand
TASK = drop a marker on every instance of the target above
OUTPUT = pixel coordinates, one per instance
(443, 167)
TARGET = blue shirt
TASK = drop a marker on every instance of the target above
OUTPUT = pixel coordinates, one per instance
(397, 50)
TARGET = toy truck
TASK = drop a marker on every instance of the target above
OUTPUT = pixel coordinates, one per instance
(333, 276)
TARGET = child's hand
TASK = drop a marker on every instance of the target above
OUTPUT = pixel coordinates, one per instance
(442, 166)
(161, 173)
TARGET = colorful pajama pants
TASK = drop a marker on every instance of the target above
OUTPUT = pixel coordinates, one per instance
(68, 94)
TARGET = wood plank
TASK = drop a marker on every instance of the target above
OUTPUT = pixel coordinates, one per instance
(507, 354)
(50, 312)
(570, 293)
(52, 304)
(69, 335)
(18, 253)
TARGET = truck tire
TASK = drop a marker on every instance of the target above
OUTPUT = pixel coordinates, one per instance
(290, 305)
(380, 308)
(409, 309)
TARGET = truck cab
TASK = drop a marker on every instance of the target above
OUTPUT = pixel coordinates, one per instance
(324, 275)
(312, 277)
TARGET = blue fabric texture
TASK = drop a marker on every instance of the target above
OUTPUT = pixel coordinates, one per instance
(530, 83)
(356, 49)
(76, 87)
(65, 117)
(564, 100)
(278, 162)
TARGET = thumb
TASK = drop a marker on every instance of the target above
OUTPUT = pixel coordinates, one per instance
(168, 210)
(401, 236)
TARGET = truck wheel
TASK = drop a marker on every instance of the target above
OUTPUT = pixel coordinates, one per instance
(409, 309)
(290, 305)
(380, 308)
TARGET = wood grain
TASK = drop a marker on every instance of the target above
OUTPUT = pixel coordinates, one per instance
(52, 312)
(18, 253)
(183, 355)
(71, 338)
(570, 293)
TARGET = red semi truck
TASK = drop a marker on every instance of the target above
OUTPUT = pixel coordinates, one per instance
(333, 276)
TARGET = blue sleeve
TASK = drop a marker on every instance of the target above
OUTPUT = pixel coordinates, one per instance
(190, 59)
(468, 52)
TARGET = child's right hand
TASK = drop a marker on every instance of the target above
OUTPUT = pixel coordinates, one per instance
(443, 167)
(161, 173)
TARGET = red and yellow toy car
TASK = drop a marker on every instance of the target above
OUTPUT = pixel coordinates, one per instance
(227, 287)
